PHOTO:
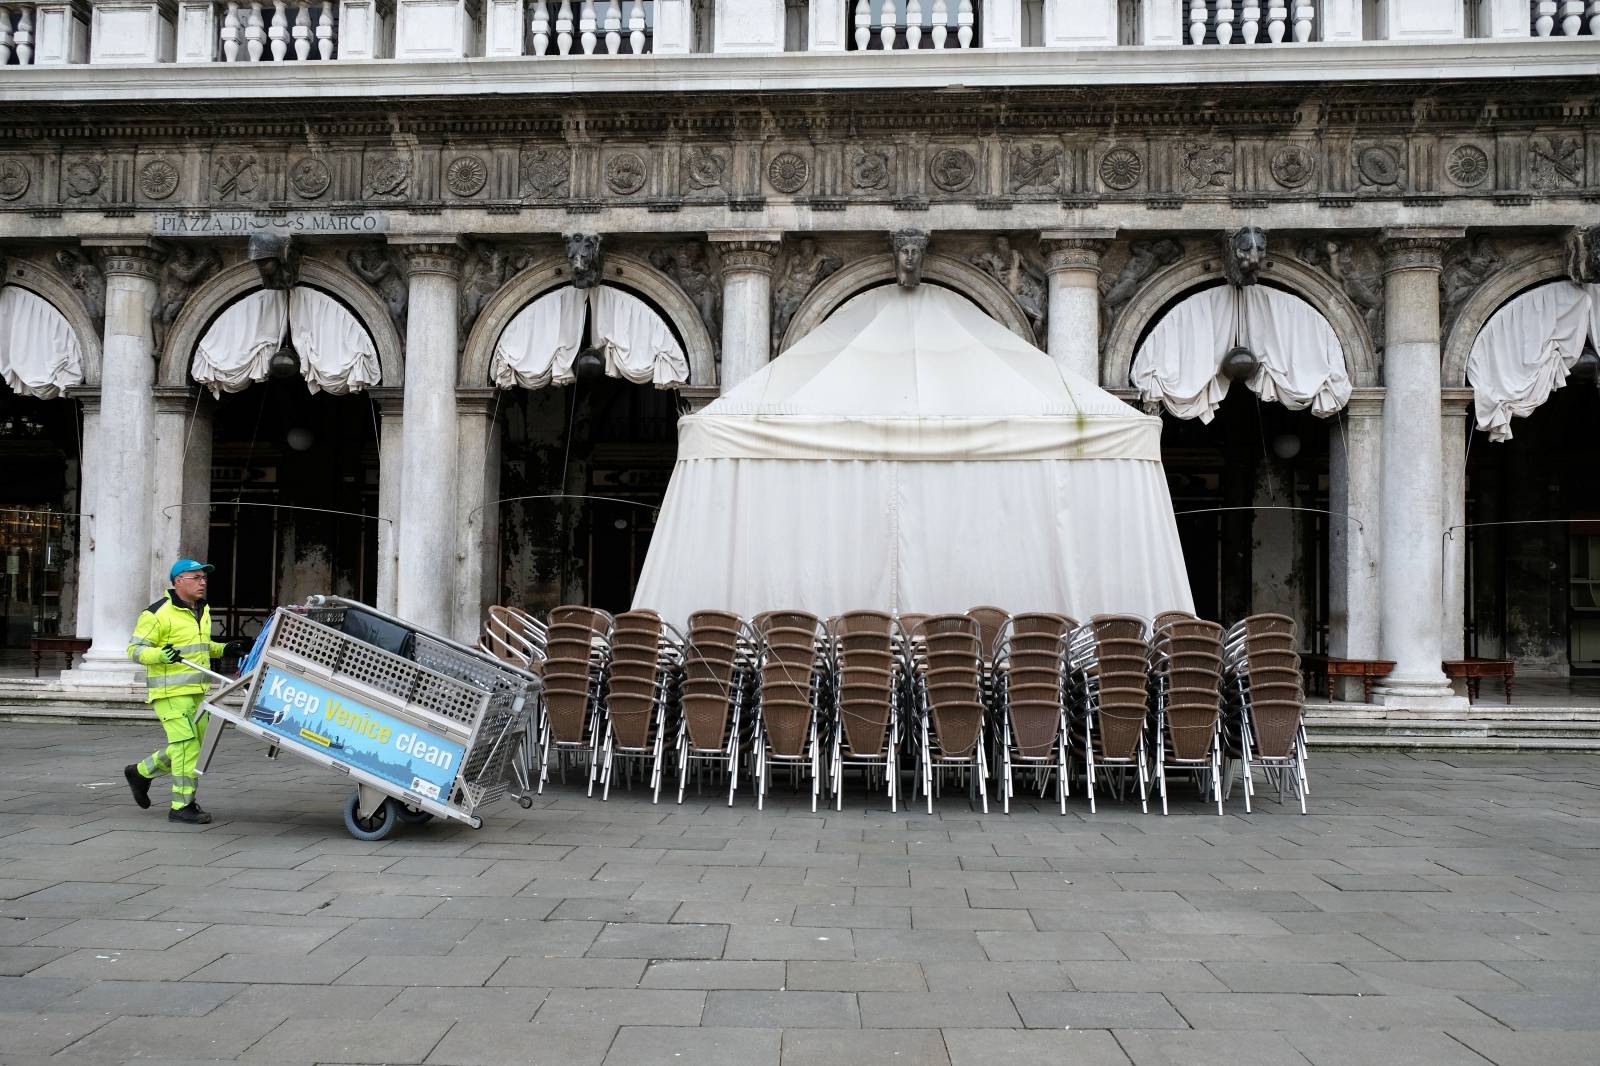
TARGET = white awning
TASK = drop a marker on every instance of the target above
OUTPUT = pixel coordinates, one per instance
(1524, 351)
(336, 353)
(539, 344)
(39, 352)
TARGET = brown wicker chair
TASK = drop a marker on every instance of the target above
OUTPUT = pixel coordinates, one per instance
(868, 671)
(1031, 674)
(514, 637)
(950, 729)
(716, 691)
(1186, 663)
(792, 665)
(642, 693)
(1110, 661)
(577, 659)
(1264, 726)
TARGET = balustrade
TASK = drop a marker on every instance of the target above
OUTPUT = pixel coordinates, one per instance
(16, 35)
(889, 25)
(1250, 22)
(270, 31)
(1565, 18)
(587, 27)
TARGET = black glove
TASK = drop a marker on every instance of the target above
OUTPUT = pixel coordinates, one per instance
(236, 649)
(169, 653)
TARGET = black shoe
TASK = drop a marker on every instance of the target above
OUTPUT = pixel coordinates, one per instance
(190, 815)
(138, 784)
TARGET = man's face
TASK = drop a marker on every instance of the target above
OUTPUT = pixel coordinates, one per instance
(190, 586)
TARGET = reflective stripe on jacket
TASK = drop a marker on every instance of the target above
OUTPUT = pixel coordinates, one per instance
(168, 621)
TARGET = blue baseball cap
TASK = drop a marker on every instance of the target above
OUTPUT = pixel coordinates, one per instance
(187, 566)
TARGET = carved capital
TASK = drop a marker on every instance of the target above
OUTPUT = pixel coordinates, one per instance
(1416, 248)
(131, 260)
(390, 400)
(434, 257)
(1365, 403)
(476, 401)
(1073, 253)
(756, 257)
(1455, 402)
(174, 399)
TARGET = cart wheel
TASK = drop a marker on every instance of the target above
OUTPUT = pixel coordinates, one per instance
(412, 816)
(525, 802)
(375, 828)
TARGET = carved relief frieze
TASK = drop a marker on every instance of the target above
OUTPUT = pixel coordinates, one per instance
(626, 172)
(1555, 161)
(1035, 168)
(158, 179)
(1380, 166)
(82, 178)
(1205, 166)
(1121, 168)
(705, 169)
(1143, 258)
(951, 169)
(1293, 165)
(1466, 266)
(546, 173)
(1467, 166)
(871, 169)
(16, 176)
(383, 267)
(690, 265)
(388, 176)
(1020, 273)
(310, 177)
(188, 265)
(1357, 268)
(805, 266)
(466, 175)
(788, 171)
(237, 177)
(84, 276)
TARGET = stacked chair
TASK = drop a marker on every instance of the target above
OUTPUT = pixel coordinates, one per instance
(868, 679)
(1031, 679)
(948, 710)
(1110, 659)
(514, 636)
(717, 690)
(577, 660)
(1185, 686)
(1264, 724)
(643, 692)
(793, 673)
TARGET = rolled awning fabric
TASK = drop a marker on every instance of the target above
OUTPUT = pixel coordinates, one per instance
(1524, 351)
(39, 352)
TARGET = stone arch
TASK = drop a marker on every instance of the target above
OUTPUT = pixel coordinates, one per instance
(874, 270)
(50, 286)
(624, 270)
(1197, 271)
(1522, 272)
(229, 284)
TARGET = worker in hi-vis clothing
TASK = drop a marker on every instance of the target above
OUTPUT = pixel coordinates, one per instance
(174, 628)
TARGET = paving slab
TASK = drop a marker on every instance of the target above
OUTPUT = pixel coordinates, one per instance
(984, 1047)
(654, 1046)
(842, 1047)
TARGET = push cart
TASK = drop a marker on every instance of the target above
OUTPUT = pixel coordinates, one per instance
(424, 726)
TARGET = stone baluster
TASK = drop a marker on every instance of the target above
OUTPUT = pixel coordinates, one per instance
(913, 24)
(1572, 17)
(941, 22)
(613, 26)
(1197, 21)
(1545, 19)
(1250, 24)
(564, 28)
(1277, 22)
(863, 20)
(5, 36)
(636, 38)
(302, 31)
(255, 34)
(964, 24)
(278, 32)
(1224, 21)
(541, 28)
(326, 28)
(1304, 15)
(889, 28)
(586, 28)
(1594, 18)
(230, 33)
(24, 36)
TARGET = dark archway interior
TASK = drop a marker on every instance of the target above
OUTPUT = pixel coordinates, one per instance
(40, 447)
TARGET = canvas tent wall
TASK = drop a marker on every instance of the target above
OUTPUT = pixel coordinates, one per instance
(912, 454)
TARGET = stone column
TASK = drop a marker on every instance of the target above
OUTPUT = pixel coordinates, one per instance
(180, 518)
(747, 263)
(425, 589)
(122, 485)
(1355, 464)
(1454, 424)
(1072, 259)
(88, 483)
(1411, 565)
(391, 454)
(477, 514)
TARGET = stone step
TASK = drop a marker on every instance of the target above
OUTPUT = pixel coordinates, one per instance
(1523, 732)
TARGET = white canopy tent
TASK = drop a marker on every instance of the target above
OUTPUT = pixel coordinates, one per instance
(912, 454)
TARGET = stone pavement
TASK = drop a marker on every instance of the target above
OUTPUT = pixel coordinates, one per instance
(1429, 910)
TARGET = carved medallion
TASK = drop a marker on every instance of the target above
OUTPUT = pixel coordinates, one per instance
(704, 168)
(1555, 161)
(158, 179)
(1036, 167)
(1206, 166)
(545, 172)
(1380, 165)
(1120, 168)
(466, 175)
(82, 178)
(14, 179)
(236, 176)
(625, 173)
(310, 178)
(952, 169)
(1293, 165)
(390, 176)
(788, 172)
(1468, 165)
(869, 169)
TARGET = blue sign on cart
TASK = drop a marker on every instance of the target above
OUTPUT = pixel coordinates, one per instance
(309, 716)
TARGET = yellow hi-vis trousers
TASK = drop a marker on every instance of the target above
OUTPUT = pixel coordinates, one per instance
(178, 716)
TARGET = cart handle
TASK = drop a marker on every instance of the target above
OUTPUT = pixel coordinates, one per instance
(224, 678)
(476, 653)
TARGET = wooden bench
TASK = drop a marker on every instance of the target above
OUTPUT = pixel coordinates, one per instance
(1473, 671)
(1321, 669)
(64, 646)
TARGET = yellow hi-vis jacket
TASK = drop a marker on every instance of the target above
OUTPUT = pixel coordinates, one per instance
(168, 621)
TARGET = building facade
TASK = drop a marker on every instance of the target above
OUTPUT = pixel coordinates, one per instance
(420, 173)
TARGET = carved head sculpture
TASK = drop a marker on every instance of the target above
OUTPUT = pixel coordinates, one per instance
(908, 245)
(276, 259)
(583, 255)
(1244, 253)
(1583, 255)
